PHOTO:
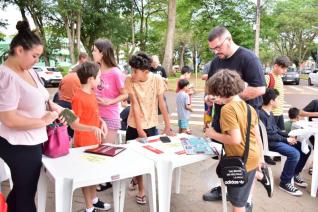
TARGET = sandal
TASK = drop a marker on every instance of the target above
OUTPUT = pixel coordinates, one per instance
(103, 187)
(132, 185)
(141, 200)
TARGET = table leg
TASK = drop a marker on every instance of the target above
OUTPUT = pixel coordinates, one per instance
(42, 190)
(164, 179)
(63, 195)
(119, 190)
(314, 179)
(224, 202)
(177, 173)
(151, 191)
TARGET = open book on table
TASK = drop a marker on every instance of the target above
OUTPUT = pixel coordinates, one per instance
(107, 150)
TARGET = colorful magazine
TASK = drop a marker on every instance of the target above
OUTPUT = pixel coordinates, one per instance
(198, 145)
(106, 150)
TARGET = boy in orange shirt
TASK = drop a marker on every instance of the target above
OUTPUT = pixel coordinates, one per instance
(89, 127)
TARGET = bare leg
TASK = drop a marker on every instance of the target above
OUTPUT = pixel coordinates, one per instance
(111, 136)
(88, 196)
(141, 188)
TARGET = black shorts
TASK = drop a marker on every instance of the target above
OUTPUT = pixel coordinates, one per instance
(132, 134)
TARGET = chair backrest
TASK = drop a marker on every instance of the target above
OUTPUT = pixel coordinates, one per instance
(264, 136)
(121, 136)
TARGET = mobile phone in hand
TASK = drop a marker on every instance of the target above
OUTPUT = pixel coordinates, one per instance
(165, 139)
(68, 116)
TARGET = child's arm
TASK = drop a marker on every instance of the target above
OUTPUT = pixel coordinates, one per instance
(233, 137)
(189, 107)
(164, 112)
(76, 125)
(103, 126)
(103, 101)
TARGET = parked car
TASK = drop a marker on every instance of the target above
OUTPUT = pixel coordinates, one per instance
(291, 76)
(306, 71)
(313, 78)
(49, 75)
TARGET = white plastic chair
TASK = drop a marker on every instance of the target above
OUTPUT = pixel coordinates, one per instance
(121, 136)
(266, 150)
(5, 173)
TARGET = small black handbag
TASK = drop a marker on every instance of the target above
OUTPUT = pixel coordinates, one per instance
(232, 169)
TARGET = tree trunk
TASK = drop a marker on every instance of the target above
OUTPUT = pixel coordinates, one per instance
(78, 32)
(167, 59)
(132, 24)
(70, 39)
(142, 20)
(181, 55)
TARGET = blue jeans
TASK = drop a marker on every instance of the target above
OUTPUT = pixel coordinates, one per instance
(295, 162)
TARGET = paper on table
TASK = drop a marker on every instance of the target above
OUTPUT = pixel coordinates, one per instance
(93, 158)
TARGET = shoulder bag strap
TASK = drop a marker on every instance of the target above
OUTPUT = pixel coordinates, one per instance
(248, 130)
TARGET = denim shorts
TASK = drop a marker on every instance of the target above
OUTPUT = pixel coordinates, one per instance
(238, 196)
(183, 123)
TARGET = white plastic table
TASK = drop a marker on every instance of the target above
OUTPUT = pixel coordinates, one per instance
(166, 162)
(79, 169)
(314, 179)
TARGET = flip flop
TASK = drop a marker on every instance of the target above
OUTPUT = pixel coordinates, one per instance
(103, 187)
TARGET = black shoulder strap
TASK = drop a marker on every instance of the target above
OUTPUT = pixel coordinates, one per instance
(248, 130)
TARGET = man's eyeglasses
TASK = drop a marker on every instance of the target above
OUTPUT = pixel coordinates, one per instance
(218, 47)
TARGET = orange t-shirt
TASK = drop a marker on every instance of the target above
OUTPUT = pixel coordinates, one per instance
(85, 107)
(68, 87)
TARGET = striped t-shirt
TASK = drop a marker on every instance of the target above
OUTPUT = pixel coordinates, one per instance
(279, 85)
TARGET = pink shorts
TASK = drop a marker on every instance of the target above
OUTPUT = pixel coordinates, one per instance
(113, 124)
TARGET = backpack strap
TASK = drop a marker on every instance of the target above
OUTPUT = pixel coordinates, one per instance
(271, 83)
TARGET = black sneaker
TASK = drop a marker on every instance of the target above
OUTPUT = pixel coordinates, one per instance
(92, 210)
(277, 158)
(269, 160)
(102, 205)
(300, 182)
(289, 188)
(214, 195)
(267, 180)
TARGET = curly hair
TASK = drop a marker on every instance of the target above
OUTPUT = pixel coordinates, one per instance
(225, 83)
(140, 61)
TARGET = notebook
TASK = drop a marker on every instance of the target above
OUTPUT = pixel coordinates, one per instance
(106, 150)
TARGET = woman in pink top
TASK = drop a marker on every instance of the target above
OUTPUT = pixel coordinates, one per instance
(23, 117)
(110, 90)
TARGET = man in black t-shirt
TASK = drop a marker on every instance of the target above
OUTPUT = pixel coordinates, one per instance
(156, 68)
(310, 110)
(241, 60)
